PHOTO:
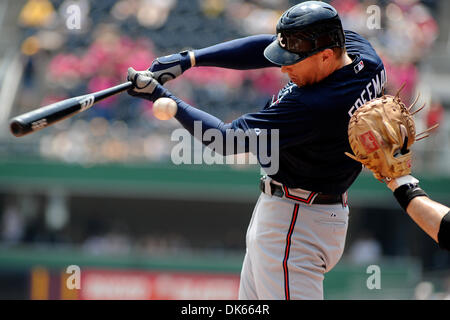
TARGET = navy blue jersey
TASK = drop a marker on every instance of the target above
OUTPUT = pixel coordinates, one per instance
(313, 120)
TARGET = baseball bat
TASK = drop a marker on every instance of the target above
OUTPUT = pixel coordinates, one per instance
(47, 115)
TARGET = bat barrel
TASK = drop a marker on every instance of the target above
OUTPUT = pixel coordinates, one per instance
(45, 116)
(17, 128)
(40, 118)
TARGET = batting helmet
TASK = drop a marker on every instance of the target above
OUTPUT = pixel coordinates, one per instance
(303, 30)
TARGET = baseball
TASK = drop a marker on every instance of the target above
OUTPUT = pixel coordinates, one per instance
(164, 108)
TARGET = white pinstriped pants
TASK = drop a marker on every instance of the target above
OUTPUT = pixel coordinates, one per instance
(290, 246)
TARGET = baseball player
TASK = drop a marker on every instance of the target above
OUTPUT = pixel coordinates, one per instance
(298, 228)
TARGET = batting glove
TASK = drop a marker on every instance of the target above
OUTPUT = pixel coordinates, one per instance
(145, 86)
(172, 66)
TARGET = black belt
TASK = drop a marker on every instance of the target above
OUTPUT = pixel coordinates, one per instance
(320, 198)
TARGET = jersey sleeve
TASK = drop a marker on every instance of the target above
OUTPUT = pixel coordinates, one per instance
(284, 124)
(241, 54)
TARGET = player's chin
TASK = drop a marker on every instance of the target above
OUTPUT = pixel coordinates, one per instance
(297, 82)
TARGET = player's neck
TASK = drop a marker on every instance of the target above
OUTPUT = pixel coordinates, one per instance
(345, 60)
(341, 62)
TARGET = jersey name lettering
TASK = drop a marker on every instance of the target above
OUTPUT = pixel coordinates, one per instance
(373, 89)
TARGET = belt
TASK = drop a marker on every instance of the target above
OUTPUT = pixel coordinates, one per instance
(309, 197)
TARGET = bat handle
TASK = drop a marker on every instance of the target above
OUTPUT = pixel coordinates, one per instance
(113, 90)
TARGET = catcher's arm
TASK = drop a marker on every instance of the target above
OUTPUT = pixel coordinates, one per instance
(431, 216)
(381, 133)
(240, 54)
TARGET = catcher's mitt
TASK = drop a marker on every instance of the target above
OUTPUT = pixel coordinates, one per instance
(381, 133)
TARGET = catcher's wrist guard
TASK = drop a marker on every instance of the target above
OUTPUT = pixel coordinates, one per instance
(405, 193)
(393, 184)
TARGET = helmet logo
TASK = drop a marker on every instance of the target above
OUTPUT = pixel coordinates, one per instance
(281, 40)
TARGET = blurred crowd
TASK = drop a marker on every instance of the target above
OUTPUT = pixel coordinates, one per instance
(403, 36)
(68, 56)
(114, 35)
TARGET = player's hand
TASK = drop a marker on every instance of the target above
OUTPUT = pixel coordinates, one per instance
(172, 66)
(145, 86)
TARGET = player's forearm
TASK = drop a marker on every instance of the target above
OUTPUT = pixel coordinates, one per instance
(188, 116)
(197, 122)
(427, 214)
(242, 54)
(431, 216)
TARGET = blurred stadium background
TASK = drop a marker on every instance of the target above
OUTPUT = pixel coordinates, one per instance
(99, 190)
